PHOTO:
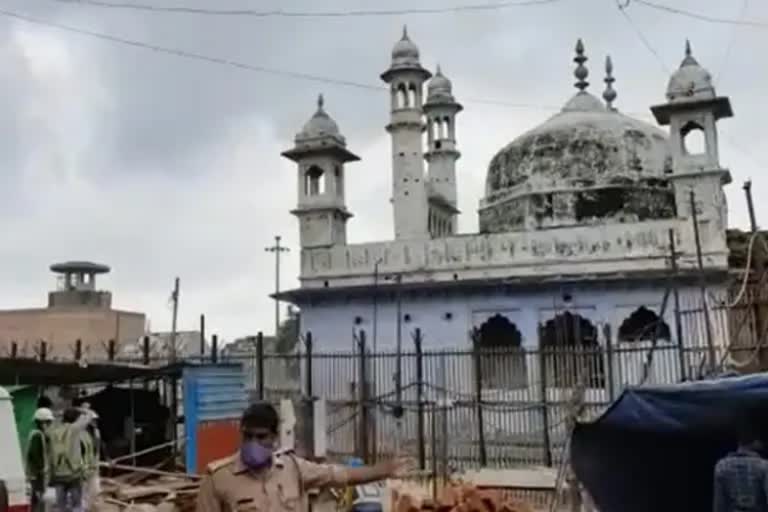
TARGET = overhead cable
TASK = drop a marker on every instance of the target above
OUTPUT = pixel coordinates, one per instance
(274, 13)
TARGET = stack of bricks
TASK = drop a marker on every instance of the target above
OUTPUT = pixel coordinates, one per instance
(457, 497)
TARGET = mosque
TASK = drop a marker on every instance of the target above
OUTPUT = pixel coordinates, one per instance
(576, 226)
(589, 220)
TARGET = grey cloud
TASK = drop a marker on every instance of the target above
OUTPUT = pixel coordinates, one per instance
(162, 166)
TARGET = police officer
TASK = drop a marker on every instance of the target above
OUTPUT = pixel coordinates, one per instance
(258, 478)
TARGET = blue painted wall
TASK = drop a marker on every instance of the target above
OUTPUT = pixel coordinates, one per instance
(211, 393)
(332, 322)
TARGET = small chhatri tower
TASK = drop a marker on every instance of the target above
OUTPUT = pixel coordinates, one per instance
(692, 111)
(77, 285)
(321, 152)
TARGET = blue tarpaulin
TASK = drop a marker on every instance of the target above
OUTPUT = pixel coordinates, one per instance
(655, 448)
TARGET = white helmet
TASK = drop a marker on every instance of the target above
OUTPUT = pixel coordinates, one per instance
(43, 414)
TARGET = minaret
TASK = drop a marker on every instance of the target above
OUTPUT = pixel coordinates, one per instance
(406, 79)
(692, 110)
(321, 152)
(440, 110)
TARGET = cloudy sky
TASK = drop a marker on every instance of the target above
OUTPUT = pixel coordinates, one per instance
(162, 166)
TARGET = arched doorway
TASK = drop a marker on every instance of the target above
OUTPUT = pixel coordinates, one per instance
(571, 352)
(502, 358)
(644, 325)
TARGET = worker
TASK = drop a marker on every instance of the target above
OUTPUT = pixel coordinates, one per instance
(741, 477)
(67, 466)
(38, 468)
(259, 477)
(90, 441)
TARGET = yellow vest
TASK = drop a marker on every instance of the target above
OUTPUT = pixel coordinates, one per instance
(90, 459)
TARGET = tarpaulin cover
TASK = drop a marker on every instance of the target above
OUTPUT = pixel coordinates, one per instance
(655, 448)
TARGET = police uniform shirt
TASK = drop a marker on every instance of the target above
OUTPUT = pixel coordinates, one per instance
(229, 486)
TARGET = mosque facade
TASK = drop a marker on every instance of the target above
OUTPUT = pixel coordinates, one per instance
(585, 222)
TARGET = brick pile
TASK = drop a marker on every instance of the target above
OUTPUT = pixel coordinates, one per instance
(456, 497)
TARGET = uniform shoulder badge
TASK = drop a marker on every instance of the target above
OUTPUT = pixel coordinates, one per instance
(220, 464)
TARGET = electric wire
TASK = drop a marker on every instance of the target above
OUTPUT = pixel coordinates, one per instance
(275, 13)
(699, 16)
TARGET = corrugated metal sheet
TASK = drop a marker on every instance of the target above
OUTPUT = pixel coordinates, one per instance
(214, 399)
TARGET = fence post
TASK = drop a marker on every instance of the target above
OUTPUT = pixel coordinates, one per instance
(363, 398)
(420, 399)
(111, 350)
(608, 335)
(309, 431)
(145, 351)
(43, 351)
(479, 397)
(79, 350)
(544, 402)
(215, 349)
(260, 364)
(14, 350)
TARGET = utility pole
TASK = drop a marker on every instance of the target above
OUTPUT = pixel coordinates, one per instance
(399, 368)
(376, 303)
(175, 300)
(702, 283)
(756, 296)
(277, 249)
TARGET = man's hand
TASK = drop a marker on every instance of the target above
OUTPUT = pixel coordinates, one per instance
(390, 468)
(395, 468)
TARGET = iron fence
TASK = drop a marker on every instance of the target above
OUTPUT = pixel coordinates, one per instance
(456, 408)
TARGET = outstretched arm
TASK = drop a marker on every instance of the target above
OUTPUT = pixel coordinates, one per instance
(330, 475)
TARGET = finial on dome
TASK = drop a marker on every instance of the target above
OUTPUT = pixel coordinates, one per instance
(609, 95)
(320, 101)
(581, 72)
(405, 33)
(689, 59)
(438, 71)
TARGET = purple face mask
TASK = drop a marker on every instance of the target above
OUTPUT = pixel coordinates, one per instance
(255, 455)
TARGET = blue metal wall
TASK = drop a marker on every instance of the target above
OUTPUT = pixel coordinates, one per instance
(212, 394)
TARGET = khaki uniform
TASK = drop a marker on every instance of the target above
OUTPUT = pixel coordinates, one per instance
(229, 486)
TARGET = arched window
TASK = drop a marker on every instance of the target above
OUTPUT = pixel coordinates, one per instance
(314, 182)
(571, 353)
(337, 173)
(401, 96)
(643, 325)
(435, 126)
(694, 140)
(502, 358)
(412, 96)
(446, 127)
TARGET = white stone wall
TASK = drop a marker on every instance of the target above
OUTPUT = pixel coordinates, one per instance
(588, 250)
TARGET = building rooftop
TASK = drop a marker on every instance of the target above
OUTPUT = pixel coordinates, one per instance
(86, 267)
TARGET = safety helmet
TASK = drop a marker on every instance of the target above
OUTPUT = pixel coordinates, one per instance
(43, 414)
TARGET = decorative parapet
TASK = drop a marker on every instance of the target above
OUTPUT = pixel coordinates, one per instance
(585, 250)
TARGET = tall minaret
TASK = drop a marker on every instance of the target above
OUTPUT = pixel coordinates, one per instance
(321, 152)
(406, 78)
(440, 110)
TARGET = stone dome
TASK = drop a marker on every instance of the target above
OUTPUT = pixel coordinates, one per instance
(405, 51)
(587, 164)
(691, 81)
(439, 87)
(319, 125)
